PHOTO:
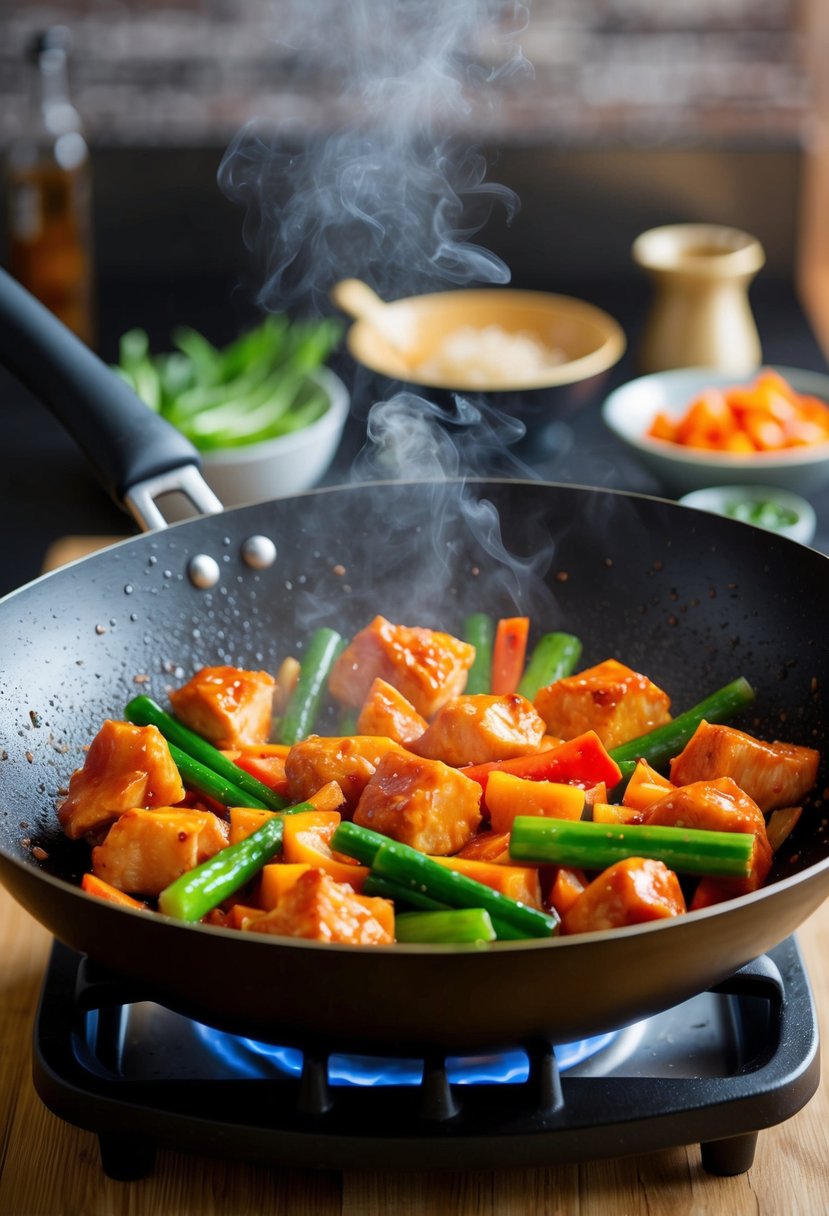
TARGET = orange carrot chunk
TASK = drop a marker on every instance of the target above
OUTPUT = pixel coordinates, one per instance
(103, 890)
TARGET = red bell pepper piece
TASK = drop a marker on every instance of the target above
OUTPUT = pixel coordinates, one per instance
(509, 651)
(582, 761)
(270, 770)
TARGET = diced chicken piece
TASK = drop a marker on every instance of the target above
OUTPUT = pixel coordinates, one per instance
(350, 760)
(630, 892)
(426, 666)
(479, 728)
(145, 851)
(717, 806)
(617, 703)
(227, 705)
(773, 774)
(386, 712)
(422, 803)
(126, 766)
(317, 907)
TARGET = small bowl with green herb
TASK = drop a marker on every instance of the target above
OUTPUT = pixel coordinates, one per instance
(265, 412)
(768, 507)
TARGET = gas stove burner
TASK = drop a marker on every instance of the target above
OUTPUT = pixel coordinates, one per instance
(714, 1070)
(250, 1058)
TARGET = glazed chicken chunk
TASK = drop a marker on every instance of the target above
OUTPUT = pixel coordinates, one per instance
(227, 705)
(387, 712)
(350, 760)
(631, 891)
(613, 700)
(772, 774)
(126, 766)
(717, 806)
(145, 851)
(318, 907)
(426, 666)
(422, 803)
(478, 728)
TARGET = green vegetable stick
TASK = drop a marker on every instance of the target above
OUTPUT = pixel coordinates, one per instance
(144, 711)
(479, 631)
(304, 702)
(661, 745)
(357, 842)
(197, 891)
(595, 846)
(455, 925)
(413, 869)
(197, 776)
(387, 888)
(554, 657)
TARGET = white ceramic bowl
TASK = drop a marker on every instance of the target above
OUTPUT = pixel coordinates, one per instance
(721, 500)
(630, 409)
(287, 465)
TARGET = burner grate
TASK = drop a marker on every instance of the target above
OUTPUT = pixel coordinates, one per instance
(715, 1071)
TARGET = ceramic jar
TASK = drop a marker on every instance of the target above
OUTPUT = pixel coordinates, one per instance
(700, 314)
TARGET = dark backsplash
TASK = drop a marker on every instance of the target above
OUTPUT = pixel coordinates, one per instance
(635, 114)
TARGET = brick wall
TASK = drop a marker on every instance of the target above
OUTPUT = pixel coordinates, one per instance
(647, 72)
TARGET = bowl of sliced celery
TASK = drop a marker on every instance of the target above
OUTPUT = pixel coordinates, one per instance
(265, 412)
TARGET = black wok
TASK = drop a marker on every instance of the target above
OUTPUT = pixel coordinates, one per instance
(690, 599)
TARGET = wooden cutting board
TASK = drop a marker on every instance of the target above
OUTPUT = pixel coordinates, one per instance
(49, 1168)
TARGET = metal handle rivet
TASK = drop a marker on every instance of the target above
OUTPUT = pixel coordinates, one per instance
(203, 571)
(258, 552)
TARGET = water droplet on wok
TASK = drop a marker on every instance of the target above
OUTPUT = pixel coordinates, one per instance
(128, 590)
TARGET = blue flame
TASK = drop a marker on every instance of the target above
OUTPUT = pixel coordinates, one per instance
(249, 1058)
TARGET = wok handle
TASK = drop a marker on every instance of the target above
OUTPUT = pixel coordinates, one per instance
(124, 441)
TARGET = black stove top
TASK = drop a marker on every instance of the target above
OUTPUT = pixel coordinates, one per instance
(715, 1070)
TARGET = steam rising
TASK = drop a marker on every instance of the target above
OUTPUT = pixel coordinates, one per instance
(395, 193)
(412, 439)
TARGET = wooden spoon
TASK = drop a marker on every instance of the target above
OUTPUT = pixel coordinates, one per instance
(393, 322)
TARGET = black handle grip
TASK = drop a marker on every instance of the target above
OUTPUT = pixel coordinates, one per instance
(123, 440)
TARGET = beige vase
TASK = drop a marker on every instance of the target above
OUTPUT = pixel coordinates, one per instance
(700, 314)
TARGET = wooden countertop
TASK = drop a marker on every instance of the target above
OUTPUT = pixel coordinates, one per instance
(50, 1168)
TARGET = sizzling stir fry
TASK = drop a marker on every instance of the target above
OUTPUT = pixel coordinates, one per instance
(473, 793)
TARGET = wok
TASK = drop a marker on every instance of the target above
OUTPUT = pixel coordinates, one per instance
(689, 598)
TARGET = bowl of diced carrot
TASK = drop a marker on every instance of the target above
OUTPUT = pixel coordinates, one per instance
(698, 427)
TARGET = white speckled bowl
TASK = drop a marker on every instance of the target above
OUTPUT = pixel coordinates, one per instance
(629, 410)
(717, 499)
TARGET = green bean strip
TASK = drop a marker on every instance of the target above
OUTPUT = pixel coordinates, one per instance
(304, 702)
(417, 871)
(455, 926)
(144, 711)
(203, 780)
(595, 846)
(358, 842)
(363, 845)
(627, 769)
(479, 631)
(387, 888)
(199, 890)
(661, 745)
(554, 657)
